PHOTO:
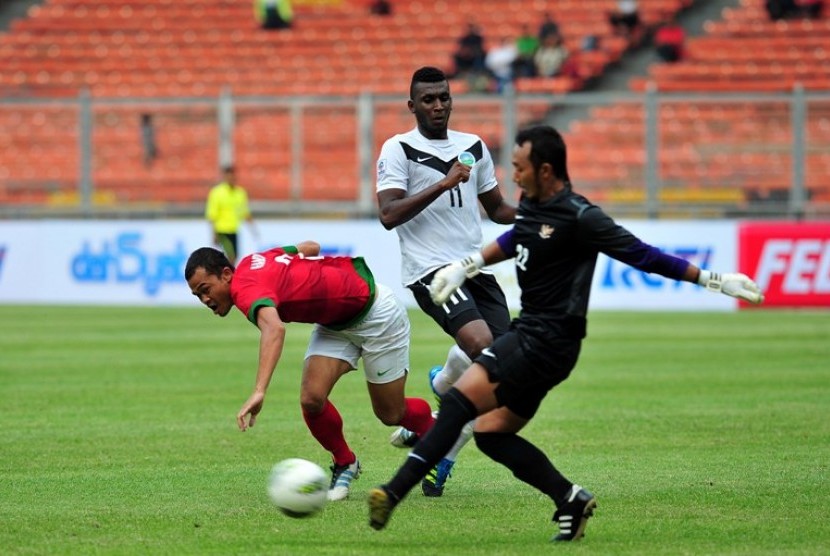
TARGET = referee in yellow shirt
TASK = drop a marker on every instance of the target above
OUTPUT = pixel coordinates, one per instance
(227, 207)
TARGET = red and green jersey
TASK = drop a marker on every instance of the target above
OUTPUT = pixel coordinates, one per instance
(332, 291)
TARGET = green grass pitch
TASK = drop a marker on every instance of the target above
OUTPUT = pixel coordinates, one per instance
(700, 433)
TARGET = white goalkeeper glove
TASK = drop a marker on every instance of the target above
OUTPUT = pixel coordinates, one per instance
(452, 276)
(732, 284)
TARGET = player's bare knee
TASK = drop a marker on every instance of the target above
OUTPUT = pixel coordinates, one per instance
(311, 404)
(390, 415)
(474, 337)
(473, 346)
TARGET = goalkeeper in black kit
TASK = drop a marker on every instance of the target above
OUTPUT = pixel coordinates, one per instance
(555, 242)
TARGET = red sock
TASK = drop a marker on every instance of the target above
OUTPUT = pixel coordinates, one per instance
(418, 417)
(327, 428)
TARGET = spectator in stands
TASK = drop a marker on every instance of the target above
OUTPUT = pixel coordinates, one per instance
(148, 139)
(499, 61)
(810, 9)
(625, 20)
(590, 43)
(669, 40)
(273, 14)
(781, 9)
(551, 56)
(526, 45)
(227, 207)
(380, 7)
(470, 54)
(767, 199)
(789, 9)
(548, 27)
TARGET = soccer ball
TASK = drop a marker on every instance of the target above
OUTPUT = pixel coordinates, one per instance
(298, 487)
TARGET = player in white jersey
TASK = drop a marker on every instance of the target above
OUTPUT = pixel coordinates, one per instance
(412, 164)
(430, 181)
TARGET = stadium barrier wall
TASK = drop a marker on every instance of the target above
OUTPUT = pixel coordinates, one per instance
(141, 262)
(790, 261)
(663, 155)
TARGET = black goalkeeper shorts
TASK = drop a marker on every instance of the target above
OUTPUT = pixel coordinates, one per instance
(527, 366)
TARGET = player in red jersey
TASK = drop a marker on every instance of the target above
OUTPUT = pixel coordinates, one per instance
(354, 317)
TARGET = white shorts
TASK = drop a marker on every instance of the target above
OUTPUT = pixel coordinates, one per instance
(381, 339)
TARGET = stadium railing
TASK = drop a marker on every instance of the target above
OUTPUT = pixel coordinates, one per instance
(650, 154)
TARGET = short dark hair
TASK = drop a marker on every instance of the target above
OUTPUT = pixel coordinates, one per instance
(212, 260)
(426, 74)
(229, 169)
(546, 145)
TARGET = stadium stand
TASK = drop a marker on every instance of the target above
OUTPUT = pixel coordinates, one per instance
(730, 152)
(157, 49)
(194, 48)
(128, 48)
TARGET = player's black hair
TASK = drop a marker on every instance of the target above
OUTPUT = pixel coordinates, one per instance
(546, 145)
(212, 260)
(426, 74)
(228, 169)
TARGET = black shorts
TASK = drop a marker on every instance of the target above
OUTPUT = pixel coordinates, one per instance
(526, 367)
(479, 298)
(229, 244)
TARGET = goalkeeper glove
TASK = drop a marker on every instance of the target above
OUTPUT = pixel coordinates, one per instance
(732, 284)
(452, 276)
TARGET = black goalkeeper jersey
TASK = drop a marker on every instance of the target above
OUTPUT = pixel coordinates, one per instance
(556, 245)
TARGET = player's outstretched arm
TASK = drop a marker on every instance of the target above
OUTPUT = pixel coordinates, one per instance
(271, 342)
(615, 241)
(733, 284)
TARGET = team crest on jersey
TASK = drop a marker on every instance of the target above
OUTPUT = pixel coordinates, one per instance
(545, 231)
(257, 261)
(381, 168)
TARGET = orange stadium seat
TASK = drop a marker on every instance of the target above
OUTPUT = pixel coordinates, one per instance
(131, 48)
(717, 144)
(196, 48)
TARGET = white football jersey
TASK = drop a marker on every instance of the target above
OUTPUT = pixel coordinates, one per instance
(449, 228)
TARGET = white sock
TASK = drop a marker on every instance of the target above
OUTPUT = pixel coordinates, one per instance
(457, 362)
(463, 438)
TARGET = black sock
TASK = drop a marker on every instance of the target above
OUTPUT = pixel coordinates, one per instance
(527, 462)
(456, 411)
